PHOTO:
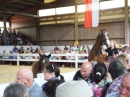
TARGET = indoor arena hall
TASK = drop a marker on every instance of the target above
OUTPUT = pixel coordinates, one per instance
(64, 48)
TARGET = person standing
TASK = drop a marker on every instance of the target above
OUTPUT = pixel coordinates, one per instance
(112, 50)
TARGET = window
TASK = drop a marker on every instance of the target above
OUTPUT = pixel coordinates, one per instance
(113, 4)
(47, 12)
(105, 5)
(2, 25)
(65, 10)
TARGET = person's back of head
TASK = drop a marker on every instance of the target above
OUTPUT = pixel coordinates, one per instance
(99, 72)
(108, 58)
(50, 87)
(116, 69)
(16, 90)
(74, 89)
(123, 59)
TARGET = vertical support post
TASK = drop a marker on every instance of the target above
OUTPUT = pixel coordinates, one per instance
(126, 23)
(76, 60)
(5, 30)
(76, 24)
(37, 26)
(56, 42)
(17, 59)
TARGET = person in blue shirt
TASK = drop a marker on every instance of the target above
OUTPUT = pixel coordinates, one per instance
(15, 48)
(25, 76)
(11, 57)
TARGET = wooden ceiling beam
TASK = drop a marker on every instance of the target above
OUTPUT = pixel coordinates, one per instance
(25, 2)
(10, 9)
(4, 2)
(16, 6)
(23, 14)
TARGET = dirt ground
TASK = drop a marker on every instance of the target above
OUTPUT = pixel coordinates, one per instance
(8, 73)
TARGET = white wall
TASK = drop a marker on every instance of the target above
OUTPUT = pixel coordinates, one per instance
(8, 48)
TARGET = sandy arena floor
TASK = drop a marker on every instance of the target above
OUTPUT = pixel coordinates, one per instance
(8, 73)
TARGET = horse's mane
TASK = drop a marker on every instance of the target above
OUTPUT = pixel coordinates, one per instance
(38, 67)
(99, 42)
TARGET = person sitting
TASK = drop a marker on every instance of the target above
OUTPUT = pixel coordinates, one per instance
(56, 48)
(11, 56)
(15, 90)
(65, 48)
(107, 61)
(117, 71)
(52, 72)
(124, 60)
(100, 79)
(84, 73)
(25, 76)
(125, 85)
(15, 48)
(74, 89)
(50, 87)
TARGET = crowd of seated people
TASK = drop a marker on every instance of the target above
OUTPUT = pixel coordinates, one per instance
(108, 79)
(70, 50)
(21, 50)
(99, 80)
(15, 38)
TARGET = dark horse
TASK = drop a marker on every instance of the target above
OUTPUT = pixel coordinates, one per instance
(97, 49)
(38, 67)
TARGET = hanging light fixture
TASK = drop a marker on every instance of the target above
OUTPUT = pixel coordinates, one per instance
(48, 1)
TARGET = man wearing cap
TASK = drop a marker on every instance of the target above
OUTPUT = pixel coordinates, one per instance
(85, 73)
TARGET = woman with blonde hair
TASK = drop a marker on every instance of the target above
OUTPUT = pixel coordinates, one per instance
(124, 60)
(112, 50)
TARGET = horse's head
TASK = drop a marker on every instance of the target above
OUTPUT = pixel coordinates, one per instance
(43, 57)
(102, 37)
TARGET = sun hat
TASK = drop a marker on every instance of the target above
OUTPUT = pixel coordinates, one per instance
(74, 89)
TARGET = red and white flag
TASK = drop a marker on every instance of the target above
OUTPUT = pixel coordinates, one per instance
(91, 13)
